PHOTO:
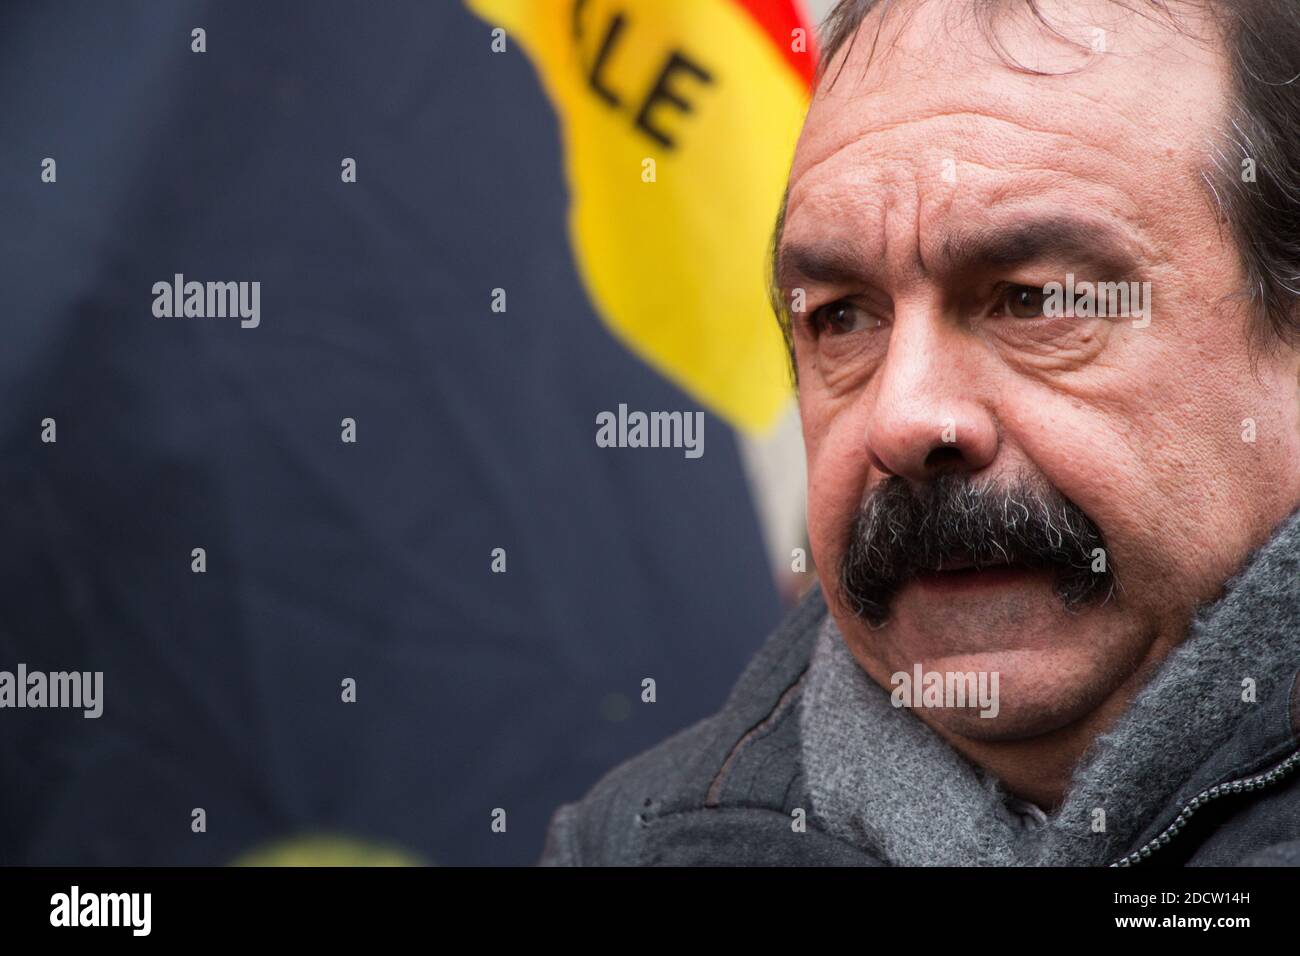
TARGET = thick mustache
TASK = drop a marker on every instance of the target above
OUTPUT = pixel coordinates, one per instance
(956, 522)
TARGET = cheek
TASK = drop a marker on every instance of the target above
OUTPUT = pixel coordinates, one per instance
(1085, 451)
(837, 472)
(1162, 468)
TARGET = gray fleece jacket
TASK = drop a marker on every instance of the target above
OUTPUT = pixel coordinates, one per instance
(810, 763)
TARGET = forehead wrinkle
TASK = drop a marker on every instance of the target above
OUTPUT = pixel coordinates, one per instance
(833, 255)
(1101, 164)
(857, 201)
(969, 119)
(1053, 218)
(873, 184)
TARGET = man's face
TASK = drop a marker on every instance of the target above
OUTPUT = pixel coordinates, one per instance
(927, 191)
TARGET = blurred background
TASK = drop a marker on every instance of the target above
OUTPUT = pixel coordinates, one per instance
(609, 172)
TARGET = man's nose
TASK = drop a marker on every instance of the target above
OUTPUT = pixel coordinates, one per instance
(928, 413)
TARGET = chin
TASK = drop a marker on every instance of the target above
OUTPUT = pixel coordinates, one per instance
(1039, 689)
(1034, 667)
(1038, 693)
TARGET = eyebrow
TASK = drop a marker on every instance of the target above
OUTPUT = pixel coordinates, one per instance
(840, 262)
(827, 261)
(1091, 240)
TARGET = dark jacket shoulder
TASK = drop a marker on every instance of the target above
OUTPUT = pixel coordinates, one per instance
(1241, 807)
(728, 789)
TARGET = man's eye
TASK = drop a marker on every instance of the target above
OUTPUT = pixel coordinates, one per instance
(1021, 301)
(838, 318)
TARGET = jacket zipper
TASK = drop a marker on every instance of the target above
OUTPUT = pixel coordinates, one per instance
(1256, 782)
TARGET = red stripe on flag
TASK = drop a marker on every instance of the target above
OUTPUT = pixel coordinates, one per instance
(778, 18)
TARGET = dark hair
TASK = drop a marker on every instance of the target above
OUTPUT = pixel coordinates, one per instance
(1262, 43)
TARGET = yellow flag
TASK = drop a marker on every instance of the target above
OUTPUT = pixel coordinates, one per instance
(678, 119)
